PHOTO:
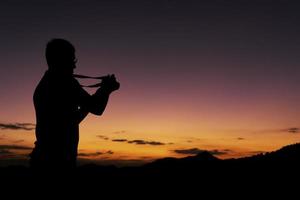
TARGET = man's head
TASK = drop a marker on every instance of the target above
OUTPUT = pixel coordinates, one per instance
(60, 55)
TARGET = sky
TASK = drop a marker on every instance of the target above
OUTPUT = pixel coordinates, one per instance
(221, 76)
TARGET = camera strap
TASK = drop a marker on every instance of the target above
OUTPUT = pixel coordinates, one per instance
(89, 77)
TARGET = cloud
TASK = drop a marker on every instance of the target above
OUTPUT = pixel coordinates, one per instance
(217, 152)
(143, 142)
(292, 130)
(17, 126)
(137, 142)
(189, 151)
(119, 140)
(90, 154)
(240, 138)
(140, 142)
(103, 137)
(109, 152)
(195, 151)
(98, 153)
(14, 147)
(285, 130)
(7, 151)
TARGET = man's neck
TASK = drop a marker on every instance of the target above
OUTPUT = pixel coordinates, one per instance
(59, 73)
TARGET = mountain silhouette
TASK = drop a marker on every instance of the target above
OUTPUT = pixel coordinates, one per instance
(190, 161)
(289, 153)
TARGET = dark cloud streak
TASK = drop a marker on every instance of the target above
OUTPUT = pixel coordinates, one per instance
(140, 142)
(14, 147)
(293, 130)
(7, 151)
(119, 140)
(98, 153)
(17, 126)
(195, 151)
(103, 137)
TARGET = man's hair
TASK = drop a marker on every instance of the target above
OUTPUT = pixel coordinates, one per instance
(58, 51)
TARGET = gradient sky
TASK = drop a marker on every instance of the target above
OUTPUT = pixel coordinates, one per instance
(211, 75)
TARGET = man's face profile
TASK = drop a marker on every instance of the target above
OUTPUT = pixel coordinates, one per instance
(60, 55)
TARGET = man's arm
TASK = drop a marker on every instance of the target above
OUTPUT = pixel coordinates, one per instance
(97, 102)
(95, 105)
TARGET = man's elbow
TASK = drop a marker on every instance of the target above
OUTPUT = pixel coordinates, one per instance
(97, 109)
(97, 112)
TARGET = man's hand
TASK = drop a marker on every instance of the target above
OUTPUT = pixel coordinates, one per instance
(110, 83)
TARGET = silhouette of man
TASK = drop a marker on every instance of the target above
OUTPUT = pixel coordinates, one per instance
(60, 105)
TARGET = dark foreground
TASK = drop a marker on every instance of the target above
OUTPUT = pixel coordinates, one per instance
(279, 170)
